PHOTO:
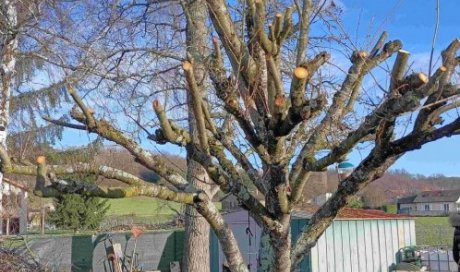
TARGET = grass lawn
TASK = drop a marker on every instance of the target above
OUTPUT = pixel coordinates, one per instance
(433, 231)
(139, 210)
(141, 206)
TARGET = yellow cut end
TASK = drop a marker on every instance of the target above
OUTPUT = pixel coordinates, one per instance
(403, 52)
(232, 102)
(187, 66)
(423, 78)
(279, 100)
(300, 73)
(362, 54)
(155, 104)
(279, 15)
(215, 39)
(41, 159)
(443, 68)
(70, 89)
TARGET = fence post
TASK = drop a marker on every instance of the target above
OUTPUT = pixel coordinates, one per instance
(42, 221)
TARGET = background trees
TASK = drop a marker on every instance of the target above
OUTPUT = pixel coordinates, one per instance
(271, 107)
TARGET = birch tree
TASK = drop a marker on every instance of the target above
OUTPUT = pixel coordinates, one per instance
(8, 47)
(292, 123)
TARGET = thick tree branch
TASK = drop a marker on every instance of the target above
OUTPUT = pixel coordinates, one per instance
(197, 104)
(302, 41)
(268, 45)
(449, 61)
(52, 187)
(242, 62)
(392, 107)
(107, 131)
(226, 91)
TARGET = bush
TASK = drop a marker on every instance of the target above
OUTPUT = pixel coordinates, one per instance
(356, 202)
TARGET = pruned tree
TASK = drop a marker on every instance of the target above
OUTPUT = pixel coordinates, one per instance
(285, 115)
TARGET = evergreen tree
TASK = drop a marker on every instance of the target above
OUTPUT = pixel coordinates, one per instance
(78, 212)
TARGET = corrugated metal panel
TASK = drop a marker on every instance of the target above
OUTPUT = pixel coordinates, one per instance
(368, 257)
(345, 246)
(361, 239)
(412, 232)
(390, 253)
(382, 243)
(330, 248)
(407, 233)
(314, 258)
(322, 254)
(351, 245)
(362, 245)
(375, 245)
(354, 258)
(394, 236)
(338, 246)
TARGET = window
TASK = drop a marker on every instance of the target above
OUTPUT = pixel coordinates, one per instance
(446, 207)
(427, 207)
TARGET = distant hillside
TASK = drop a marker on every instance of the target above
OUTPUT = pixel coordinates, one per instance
(393, 185)
(385, 190)
(400, 183)
(122, 159)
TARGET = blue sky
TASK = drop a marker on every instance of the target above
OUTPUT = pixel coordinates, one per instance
(411, 21)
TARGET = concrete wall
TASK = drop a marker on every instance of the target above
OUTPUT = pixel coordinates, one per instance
(88, 253)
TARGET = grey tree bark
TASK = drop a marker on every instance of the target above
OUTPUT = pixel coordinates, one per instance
(196, 243)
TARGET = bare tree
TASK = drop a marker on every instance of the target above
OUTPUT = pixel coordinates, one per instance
(279, 112)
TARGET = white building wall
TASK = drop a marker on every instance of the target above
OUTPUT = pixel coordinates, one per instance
(435, 206)
(408, 206)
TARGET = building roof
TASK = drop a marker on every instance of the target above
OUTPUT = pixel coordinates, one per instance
(307, 211)
(16, 184)
(350, 213)
(432, 196)
(407, 199)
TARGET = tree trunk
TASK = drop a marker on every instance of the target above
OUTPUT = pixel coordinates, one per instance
(8, 47)
(282, 252)
(196, 248)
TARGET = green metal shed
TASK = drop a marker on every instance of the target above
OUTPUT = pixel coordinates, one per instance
(357, 241)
